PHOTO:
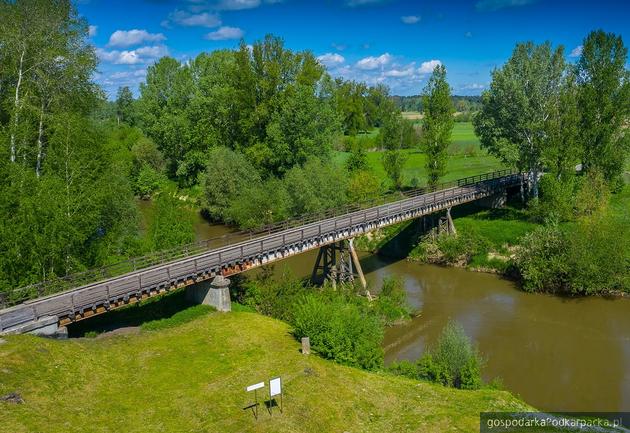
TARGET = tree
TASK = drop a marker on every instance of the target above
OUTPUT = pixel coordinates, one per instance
(171, 224)
(604, 100)
(394, 163)
(563, 151)
(46, 65)
(228, 174)
(124, 106)
(437, 123)
(514, 119)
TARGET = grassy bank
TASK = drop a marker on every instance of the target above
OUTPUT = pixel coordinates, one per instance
(192, 378)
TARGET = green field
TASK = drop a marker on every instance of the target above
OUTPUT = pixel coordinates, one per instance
(460, 164)
(191, 378)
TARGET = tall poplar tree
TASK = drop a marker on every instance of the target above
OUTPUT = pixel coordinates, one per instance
(437, 123)
(604, 101)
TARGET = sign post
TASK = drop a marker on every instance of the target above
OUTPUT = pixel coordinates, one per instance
(254, 406)
(275, 388)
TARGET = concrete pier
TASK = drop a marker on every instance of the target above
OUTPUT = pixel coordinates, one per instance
(215, 293)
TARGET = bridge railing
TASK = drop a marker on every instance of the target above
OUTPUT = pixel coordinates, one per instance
(56, 285)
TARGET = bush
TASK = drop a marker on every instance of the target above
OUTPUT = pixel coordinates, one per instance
(171, 224)
(148, 181)
(273, 298)
(454, 361)
(556, 200)
(589, 257)
(540, 259)
(391, 304)
(340, 331)
(259, 205)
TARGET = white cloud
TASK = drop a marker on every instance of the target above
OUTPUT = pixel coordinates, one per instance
(468, 34)
(339, 47)
(495, 5)
(473, 86)
(127, 38)
(428, 67)
(331, 59)
(371, 62)
(132, 57)
(577, 51)
(410, 19)
(187, 19)
(353, 3)
(224, 33)
(92, 30)
(400, 73)
(233, 5)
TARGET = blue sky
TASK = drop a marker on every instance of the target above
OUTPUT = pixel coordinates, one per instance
(395, 42)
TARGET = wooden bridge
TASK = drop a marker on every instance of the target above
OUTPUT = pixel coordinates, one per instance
(65, 300)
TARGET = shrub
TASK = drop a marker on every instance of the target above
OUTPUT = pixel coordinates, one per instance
(556, 200)
(148, 181)
(457, 360)
(540, 259)
(454, 361)
(273, 298)
(340, 331)
(391, 303)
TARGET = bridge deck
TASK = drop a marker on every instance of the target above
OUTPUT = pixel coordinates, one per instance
(94, 298)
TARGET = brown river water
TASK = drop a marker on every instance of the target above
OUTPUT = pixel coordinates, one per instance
(557, 354)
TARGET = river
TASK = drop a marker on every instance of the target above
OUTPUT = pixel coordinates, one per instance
(557, 354)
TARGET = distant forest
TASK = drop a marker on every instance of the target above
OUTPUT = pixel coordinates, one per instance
(461, 103)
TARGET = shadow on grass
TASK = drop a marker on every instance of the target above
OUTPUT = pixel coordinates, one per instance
(158, 308)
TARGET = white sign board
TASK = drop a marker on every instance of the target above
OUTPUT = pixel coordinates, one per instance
(255, 386)
(275, 387)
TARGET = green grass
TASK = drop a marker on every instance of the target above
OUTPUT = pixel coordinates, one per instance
(459, 164)
(191, 378)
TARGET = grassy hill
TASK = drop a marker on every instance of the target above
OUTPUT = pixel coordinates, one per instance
(191, 378)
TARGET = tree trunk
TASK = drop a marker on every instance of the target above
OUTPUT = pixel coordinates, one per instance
(40, 143)
(16, 117)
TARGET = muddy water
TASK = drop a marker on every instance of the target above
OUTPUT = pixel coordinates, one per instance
(558, 354)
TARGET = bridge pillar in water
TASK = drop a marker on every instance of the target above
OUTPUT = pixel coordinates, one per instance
(215, 293)
(338, 263)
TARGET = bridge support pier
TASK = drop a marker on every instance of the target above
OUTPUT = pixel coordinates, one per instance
(215, 293)
(338, 263)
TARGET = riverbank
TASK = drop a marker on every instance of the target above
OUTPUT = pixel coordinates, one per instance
(145, 382)
(582, 256)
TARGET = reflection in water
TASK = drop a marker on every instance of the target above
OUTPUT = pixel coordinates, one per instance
(556, 353)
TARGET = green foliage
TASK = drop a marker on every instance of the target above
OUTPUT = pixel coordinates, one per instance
(273, 298)
(148, 181)
(363, 186)
(514, 122)
(437, 124)
(454, 361)
(228, 174)
(314, 187)
(394, 163)
(178, 318)
(125, 106)
(604, 92)
(341, 331)
(357, 161)
(391, 304)
(589, 257)
(259, 205)
(190, 168)
(171, 225)
(556, 201)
